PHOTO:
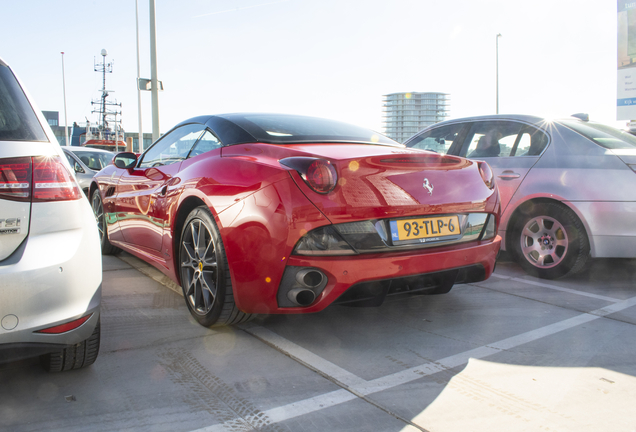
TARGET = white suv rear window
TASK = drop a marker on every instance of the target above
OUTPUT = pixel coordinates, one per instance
(18, 121)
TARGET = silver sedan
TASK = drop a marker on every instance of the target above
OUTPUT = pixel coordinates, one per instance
(568, 187)
(86, 162)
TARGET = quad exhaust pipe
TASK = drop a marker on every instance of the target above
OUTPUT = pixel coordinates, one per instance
(308, 279)
(301, 296)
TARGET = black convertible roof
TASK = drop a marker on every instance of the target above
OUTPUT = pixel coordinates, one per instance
(241, 128)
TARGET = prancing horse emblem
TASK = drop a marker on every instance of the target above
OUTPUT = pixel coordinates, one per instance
(428, 186)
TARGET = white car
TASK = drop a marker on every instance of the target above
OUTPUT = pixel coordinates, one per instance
(50, 258)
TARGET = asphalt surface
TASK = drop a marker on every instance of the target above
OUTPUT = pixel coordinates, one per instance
(513, 353)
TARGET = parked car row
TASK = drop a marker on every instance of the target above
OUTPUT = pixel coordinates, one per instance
(257, 213)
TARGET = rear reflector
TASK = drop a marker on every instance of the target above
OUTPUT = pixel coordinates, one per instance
(15, 179)
(63, 328)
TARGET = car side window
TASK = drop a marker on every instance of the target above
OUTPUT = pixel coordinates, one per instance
(532, 143)
(206, 143)
(71, 161)
(503, 139)
(172, 147)
(438, 140)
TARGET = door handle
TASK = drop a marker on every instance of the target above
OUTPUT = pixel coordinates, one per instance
(509, 175)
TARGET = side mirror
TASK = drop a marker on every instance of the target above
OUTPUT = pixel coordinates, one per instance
(78, 168)
(125, 160)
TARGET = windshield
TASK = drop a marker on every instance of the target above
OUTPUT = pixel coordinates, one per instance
(603, 135)
(18, 121)
(94, 160)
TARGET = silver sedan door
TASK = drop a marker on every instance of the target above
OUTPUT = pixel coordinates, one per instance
(510, 148)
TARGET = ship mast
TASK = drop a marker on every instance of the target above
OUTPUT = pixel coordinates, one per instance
(106, 108)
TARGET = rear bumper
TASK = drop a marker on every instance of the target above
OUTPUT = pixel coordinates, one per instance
(343, 273)
(50, 343)
(51, 279)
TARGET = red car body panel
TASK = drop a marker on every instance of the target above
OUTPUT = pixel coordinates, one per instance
(262, 210)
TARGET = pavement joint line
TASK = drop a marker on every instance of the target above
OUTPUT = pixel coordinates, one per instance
(377, 385)
(151, 272)
(339, 376)
(557, 288)
(360, 388)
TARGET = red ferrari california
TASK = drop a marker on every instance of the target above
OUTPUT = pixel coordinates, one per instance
(269, 213)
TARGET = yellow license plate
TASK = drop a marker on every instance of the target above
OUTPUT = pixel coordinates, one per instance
(423, 228)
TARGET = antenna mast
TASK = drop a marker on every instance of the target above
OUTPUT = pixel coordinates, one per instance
(106, 108)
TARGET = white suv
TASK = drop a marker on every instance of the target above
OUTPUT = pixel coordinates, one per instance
(50, 260)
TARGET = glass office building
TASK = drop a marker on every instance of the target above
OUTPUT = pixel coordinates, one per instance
(405, 114)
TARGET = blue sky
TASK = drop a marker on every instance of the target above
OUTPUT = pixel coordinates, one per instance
(329, 58)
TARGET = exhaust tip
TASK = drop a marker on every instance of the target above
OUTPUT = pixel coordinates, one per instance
(301, 296)
(310, 278)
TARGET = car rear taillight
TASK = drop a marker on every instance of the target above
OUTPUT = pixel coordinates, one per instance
(319, 174)
(52, 181)
(43, 178)
(15, 179)
(486, 174)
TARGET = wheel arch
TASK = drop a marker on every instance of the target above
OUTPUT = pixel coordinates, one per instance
(92, 187)
(188, 204)
(526, 207)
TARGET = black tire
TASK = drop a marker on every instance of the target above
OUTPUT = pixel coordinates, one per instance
(205, 274)
(100, 219)
(76, 356)
(550, 241)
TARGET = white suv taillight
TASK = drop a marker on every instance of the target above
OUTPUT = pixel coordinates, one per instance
(15, 179)
(38, 179)
(52, 181)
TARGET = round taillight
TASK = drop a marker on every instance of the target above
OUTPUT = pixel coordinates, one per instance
(321, 176)
(486, 174)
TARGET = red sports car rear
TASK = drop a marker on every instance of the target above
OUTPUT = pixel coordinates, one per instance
(264, 213)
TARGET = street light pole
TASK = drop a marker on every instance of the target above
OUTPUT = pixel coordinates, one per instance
(64, 90)
(497, 69)
(154, 86)
(141, 134)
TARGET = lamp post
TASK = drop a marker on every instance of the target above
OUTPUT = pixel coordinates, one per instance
(141, 134)
(497, 69)
(154, 86)
(64, 90)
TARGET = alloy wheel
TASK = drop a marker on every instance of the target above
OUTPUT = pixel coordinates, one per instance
(544, 242)
(199, 267)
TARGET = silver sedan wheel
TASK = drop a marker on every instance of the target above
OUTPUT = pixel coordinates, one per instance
(544, 242)
(199, 267)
